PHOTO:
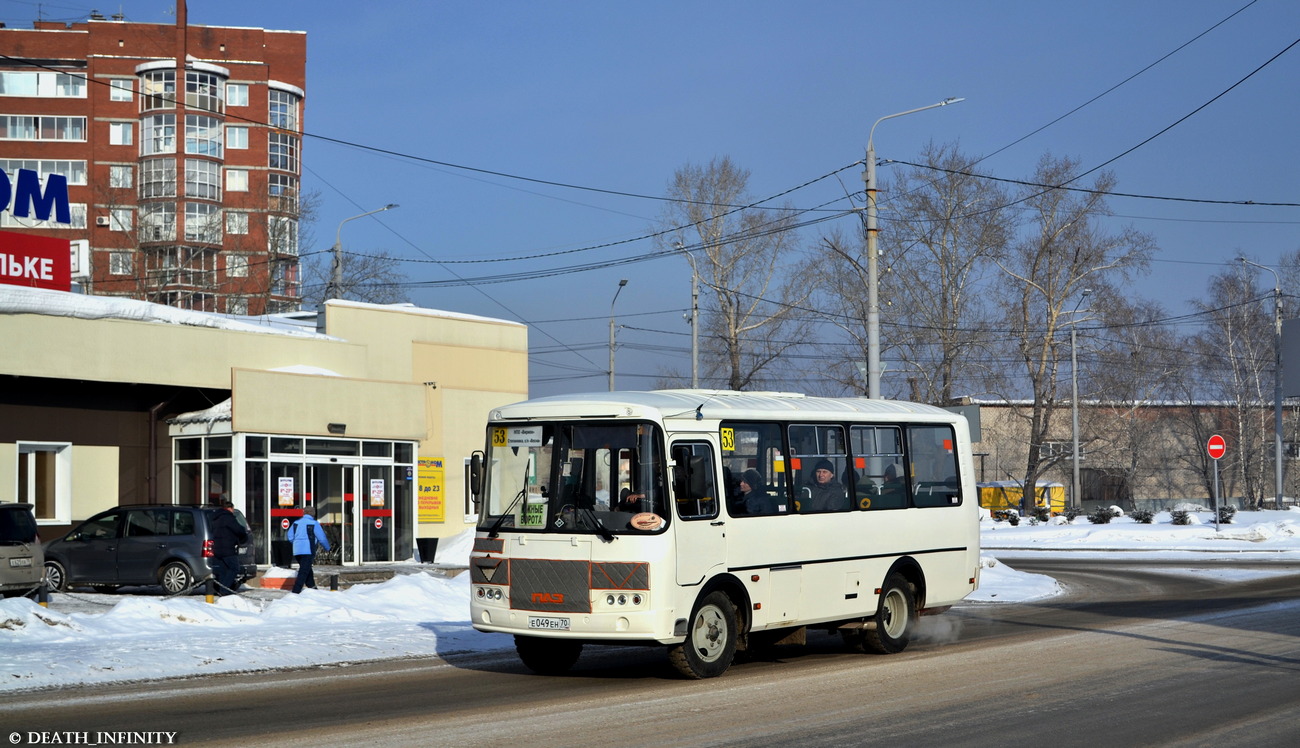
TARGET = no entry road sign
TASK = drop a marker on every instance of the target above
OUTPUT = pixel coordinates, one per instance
(1216, 447)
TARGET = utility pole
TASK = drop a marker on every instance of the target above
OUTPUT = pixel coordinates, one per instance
(621, 283)
(873, 273)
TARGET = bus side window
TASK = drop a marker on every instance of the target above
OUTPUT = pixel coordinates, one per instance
(694, 483)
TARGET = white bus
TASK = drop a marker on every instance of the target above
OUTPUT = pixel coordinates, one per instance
(717, 521)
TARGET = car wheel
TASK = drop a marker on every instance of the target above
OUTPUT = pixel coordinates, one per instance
(176, 578)
(55, 576)
(895, 617)
(710, 642)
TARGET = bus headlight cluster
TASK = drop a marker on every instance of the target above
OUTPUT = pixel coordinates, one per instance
(489, 593)
(614, 600)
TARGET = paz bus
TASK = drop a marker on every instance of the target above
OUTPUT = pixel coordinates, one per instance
(706, 522)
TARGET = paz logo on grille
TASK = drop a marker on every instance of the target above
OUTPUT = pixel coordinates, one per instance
(549, 598)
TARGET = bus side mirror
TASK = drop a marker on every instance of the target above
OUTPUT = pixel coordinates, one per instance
(476, 474)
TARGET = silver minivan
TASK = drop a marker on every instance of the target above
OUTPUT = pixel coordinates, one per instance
(22, 562)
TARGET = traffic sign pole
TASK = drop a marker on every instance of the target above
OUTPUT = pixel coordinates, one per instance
(1216, 447)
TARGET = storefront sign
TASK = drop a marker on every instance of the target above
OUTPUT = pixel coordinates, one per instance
(433, 504)
(28, 197)
(35, 261)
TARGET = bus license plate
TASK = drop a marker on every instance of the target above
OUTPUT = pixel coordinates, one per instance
(554, 624)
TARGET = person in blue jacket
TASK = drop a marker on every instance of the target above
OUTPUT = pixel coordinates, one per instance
(306, 534)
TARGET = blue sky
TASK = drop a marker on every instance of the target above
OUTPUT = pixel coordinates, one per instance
(617, 96)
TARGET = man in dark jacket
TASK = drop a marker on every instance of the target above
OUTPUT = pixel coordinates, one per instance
(823, 493)
(227, 536)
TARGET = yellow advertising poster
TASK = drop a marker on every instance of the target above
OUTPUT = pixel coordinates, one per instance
(433, 500)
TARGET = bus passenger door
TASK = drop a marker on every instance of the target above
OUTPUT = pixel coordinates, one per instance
(698, 528)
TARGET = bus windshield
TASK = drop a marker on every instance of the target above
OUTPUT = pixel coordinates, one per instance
(564, 477)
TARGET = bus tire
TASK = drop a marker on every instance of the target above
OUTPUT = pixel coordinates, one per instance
(710, 642)
(895, 617)
(547, 656)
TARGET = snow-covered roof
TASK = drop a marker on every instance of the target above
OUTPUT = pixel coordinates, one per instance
(21, 300)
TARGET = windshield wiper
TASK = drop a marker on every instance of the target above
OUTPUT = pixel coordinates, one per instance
(496, 526)
(597, 525)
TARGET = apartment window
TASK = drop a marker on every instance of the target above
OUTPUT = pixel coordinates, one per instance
(282, 151)
(158, 178)
(202, 223)
(158, 134)
(36, 127)
(121, 89)
(236, 222)
(75, 171)
(158, 89)
(78, 215)
(121, 176)
(158, 222)
(237, 266)
(42, 84)
(285, 188)
(202, 179)
(203, 135)
(119, 133)
(283, 110)
(237, 94)
(236, 137)
(120, 263)
(236, 180)
(204, 91)
(282, 235)
(119, 219)
(236, 305)
(284, 278)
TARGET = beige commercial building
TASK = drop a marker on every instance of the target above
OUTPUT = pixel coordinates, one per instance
(370, 420)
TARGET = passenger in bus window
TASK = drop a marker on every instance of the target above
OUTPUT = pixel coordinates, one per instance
(824, 493)
(754, 496)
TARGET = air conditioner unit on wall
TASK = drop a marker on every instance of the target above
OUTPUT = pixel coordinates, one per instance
(101, 220)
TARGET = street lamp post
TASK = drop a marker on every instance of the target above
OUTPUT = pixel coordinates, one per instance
(1074, 397)
(621, 283)
(695, 318)
(1277, 376)
(335, 287)
(873, 277)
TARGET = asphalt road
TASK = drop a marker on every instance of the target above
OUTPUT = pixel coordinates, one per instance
(1134, 655)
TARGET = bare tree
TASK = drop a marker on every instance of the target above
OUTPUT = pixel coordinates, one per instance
(739, 252)
(1133, 364)
(375, 278)
(1235, 357)
(943, 227)
(1062, 252)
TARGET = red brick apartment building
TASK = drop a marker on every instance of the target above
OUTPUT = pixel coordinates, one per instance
(190, 201)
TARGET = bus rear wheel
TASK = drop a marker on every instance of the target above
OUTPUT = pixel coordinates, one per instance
(710, 642)
(547, 656)
(895, 617)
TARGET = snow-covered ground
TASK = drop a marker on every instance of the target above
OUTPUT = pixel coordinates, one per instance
(83, 638)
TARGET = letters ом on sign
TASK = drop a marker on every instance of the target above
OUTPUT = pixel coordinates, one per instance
(34, 261)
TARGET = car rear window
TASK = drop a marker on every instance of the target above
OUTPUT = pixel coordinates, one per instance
(17, 525)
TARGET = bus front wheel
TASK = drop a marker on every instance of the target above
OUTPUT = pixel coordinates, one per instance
(895, 617)
(547, 656)
(710, 642)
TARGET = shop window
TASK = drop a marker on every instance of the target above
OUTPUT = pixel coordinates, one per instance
(45, 480)
(286, 445)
